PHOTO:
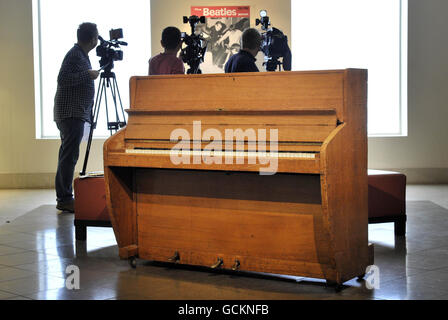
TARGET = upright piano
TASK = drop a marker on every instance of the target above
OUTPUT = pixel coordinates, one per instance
(262, 172)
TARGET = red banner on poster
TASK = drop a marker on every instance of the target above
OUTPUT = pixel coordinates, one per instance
(221, 11)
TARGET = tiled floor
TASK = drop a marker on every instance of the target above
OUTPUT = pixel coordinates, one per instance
(38, 244)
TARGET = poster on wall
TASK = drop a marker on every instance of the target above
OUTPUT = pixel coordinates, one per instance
(223, 28)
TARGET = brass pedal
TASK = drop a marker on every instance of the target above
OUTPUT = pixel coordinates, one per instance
(175, 258)
(236, 265)
(218, 263)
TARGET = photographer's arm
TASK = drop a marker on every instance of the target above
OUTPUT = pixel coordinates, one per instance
(71, 74)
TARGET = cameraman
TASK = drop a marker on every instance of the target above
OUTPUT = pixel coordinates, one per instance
(244, 60)
(72, 108)
(168, 62)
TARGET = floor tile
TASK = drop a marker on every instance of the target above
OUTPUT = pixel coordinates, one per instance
(38, 245)
(32, 284)
(6, 295)
(18, 298)
(81, 294)
(55, 267)
(7, 274)
(6, 239)
(405, 289)
(5, 250)
(24, 258)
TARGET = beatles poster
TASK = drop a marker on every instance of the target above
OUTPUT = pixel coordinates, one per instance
(222, 30)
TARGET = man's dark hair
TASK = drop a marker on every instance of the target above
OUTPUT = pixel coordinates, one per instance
(171, 38)
(251, 39)
(86, 32)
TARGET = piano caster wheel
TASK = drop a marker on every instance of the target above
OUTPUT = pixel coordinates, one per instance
(133, 262)
(336, 286)
(361, 278)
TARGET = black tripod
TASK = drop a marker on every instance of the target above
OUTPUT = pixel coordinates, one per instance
(107, 80)
(194, 67)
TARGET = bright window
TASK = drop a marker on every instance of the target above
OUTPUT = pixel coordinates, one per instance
(367, 34)
(55, 24)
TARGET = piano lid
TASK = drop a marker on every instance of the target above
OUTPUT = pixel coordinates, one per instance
(273, 91)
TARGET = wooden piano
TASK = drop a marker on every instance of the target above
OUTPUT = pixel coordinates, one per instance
(308, 219)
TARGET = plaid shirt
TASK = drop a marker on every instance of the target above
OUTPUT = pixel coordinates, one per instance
(75, 92)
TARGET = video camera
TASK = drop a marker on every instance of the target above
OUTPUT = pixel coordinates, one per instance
(106, 50)
(196, 46)
(274, 45)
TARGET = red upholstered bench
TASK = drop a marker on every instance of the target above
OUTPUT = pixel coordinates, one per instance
(387, 202)
(387, 199)
(90, 205)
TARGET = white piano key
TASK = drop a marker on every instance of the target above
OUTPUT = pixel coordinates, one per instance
(210, 153)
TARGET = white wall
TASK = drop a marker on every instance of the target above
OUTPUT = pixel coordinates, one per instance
(24, 161)
(423, 155)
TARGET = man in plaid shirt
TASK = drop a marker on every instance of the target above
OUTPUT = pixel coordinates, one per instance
(72, 108)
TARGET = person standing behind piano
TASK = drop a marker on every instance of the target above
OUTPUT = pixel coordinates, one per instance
(244, 60)
(168, 62)
(72, 108)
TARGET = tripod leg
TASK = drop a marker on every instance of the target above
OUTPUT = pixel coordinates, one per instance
(107, 106)
(119, 99)
(102, 92)
(113, 90)
(96, 111)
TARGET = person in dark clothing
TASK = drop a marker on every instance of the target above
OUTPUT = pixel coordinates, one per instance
(168, 62)
(72, 108)
(244, 60)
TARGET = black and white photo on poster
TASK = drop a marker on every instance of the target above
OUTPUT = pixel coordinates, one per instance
(222, 33)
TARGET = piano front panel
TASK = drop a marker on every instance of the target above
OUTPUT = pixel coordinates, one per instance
(239, 214)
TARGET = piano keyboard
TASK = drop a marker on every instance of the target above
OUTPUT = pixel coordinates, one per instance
(295, 155)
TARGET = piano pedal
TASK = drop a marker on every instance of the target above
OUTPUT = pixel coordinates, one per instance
(175, 258)
(218, 263)
(236, 266)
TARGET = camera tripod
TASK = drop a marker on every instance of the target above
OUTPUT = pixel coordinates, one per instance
(107, 80)
(194, 68)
